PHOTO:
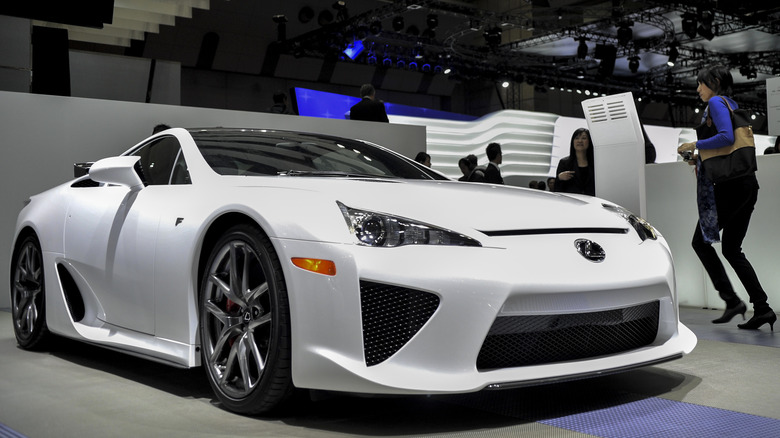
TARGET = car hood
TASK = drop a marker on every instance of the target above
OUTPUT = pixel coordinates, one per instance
(459, 205)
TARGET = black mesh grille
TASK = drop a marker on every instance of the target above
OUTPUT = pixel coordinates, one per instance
(391, 316)
(515, 341)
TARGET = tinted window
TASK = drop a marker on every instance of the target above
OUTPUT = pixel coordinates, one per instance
(158, 159)
(254, 152)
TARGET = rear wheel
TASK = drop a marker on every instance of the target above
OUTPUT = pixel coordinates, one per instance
(28, 294)
(245, 323)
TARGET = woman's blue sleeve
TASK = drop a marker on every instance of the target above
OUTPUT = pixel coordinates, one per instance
(721, 117)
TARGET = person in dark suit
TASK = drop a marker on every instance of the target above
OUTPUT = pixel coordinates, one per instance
(492, 172)
(368, 108)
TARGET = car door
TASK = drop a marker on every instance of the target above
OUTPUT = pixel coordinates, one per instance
(111, 234)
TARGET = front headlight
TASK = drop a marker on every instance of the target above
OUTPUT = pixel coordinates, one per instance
(641, 226)
(383, 230)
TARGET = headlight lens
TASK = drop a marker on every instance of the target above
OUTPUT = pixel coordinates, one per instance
(641, 226)
(383, 230)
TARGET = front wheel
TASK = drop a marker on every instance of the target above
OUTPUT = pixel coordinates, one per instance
(28, 294)
(245, 323)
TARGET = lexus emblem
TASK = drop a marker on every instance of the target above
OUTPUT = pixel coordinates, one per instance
(590, 250)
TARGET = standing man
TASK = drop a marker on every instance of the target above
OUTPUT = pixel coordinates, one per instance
(368, 108)
(492, 171)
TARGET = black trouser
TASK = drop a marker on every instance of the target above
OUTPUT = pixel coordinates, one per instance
(734, 201)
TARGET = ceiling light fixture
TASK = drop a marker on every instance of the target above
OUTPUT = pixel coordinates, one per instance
(341, 10)
(398, 23)
(689, 24)
(281, 27)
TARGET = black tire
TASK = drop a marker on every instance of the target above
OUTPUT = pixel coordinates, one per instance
(245, 323)
(28, 294)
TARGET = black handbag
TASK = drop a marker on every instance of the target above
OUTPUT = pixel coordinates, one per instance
(734, 161)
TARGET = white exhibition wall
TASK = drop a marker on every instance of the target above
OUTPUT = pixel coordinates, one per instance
(43, 135)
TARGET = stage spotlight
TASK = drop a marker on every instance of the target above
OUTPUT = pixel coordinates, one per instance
(376, 27)
(673, 54)
(493, 36)
(341, 10)
(305, 14)
(281, 27)
(418, 52)
(325, 18)
(398, 23)
(432, 21)
(633, 64)
(580, 73)
(447, 71)
(582, 49)
(505, 84)
(689, 24)
(362, 33)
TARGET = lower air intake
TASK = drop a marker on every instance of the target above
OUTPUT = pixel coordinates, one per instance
(392, 315)
(515, 341)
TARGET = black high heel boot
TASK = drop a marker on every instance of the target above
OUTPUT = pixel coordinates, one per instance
(758, 320)
(731, 312)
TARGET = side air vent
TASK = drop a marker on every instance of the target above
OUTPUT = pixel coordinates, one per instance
(72, 293)
(391, 316)
(515, 341)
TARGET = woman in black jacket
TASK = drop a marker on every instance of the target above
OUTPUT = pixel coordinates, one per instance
(575, 173)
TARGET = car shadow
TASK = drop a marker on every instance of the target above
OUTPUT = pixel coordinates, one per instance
(400, 415)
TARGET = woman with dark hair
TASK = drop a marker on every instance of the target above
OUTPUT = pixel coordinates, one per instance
(423, 159)
(726, 205)
(575, 173)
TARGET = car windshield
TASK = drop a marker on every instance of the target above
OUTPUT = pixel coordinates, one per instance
(283, 153)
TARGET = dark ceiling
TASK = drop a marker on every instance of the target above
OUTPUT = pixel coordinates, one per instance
(611, 47)
(606, 46)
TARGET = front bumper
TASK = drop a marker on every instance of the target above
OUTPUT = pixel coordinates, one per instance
(540, 276)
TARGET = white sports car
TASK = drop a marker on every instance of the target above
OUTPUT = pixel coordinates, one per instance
(281, 261)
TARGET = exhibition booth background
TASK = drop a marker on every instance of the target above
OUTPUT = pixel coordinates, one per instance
(42, 136)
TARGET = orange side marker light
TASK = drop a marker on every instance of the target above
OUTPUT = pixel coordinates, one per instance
(319, 266)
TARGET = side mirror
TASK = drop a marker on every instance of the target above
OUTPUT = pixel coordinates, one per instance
(117, 170)
(81, 169)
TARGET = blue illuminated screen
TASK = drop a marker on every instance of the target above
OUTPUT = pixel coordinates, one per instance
(313, 103)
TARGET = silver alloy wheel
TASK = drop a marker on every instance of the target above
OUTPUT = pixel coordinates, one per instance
(237, 326)
(28, 294)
